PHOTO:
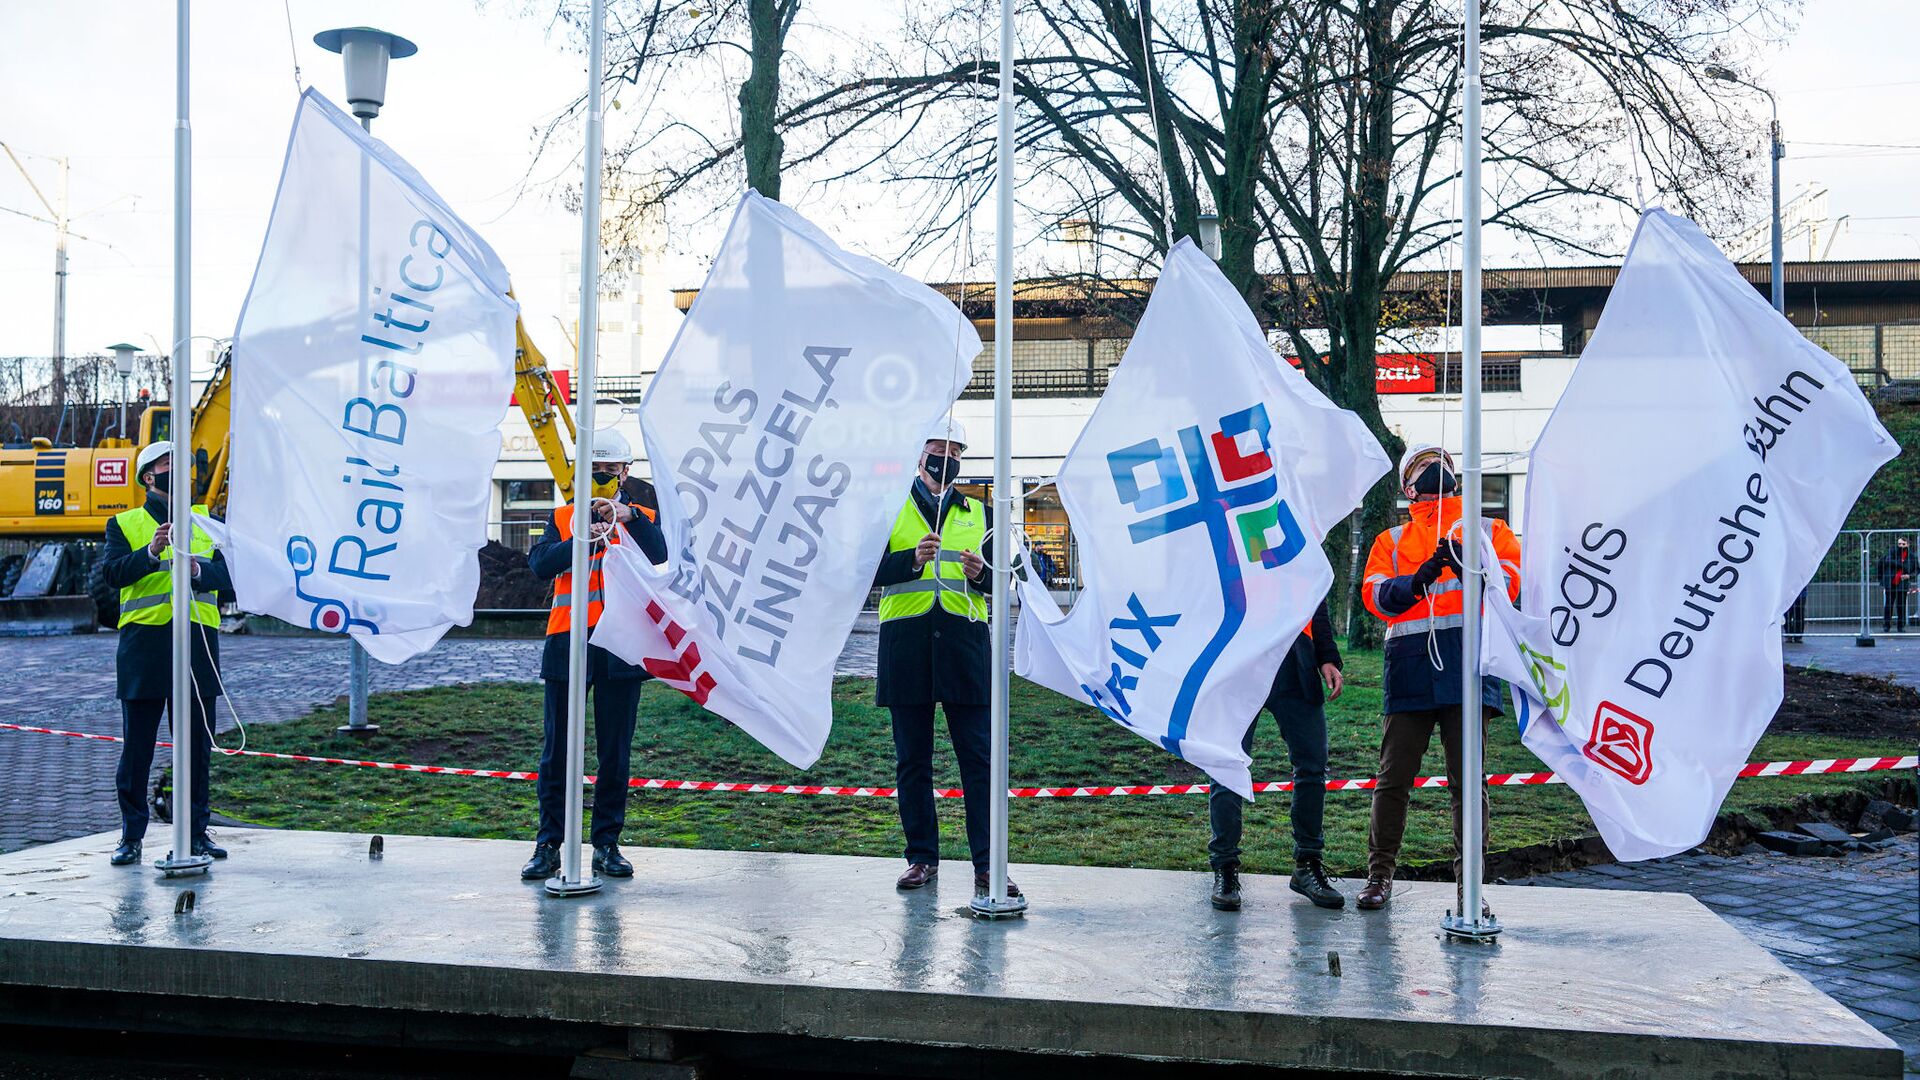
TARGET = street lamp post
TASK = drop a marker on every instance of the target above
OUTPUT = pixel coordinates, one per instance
(1776, 149)
(123, 363)
(365, 52)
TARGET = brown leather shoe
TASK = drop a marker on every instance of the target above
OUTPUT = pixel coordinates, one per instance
(980, 886)
(1375, 895)
(917, 875)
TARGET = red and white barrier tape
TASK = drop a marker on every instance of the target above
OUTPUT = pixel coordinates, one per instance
(1757, 768)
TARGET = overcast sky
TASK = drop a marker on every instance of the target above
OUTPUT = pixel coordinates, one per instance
(93, 82)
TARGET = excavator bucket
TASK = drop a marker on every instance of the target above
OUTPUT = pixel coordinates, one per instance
(30, 612)
(44, 616)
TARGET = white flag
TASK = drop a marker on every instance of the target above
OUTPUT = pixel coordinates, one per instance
(1690, 480)
(1199, 493)
(782, 429)
(371, 368)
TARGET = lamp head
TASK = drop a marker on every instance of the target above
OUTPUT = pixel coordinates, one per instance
(1210, 235)
(123, 354)
(366, 52)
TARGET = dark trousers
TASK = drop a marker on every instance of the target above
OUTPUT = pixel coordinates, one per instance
(1403, 742)
(971, 729)
(1893, 610)
(140, 725)
(613, 734)
(1303, 724)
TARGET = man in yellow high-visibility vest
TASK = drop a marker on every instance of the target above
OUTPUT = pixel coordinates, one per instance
(139, 562)
(934, 649)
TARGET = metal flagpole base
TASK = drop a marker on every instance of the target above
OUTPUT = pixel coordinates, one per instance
(1466, 929)
(192, 864)
(561, 887)
(986, 907)
(368, 728)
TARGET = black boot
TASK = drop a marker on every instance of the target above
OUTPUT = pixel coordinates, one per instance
(204, 845)
(1311, 881)
(1226, 887)
(608, 860)
(126, 854)
(544, 864)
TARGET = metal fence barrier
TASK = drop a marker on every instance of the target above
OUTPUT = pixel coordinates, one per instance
(1850, 596)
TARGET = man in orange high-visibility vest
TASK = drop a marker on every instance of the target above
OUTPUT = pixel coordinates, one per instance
(1413, 583)
(613, 683)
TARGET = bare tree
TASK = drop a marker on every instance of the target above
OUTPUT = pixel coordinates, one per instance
(665, 56)
(1324, 134)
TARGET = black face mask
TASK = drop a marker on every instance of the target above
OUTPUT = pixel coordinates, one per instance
(603, 478)
(1435, 479)
(158, 485)
(943, 469)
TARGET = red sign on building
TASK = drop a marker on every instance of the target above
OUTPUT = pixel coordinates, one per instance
(1400, 373)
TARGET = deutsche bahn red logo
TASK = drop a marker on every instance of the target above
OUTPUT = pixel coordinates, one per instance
(683, 674)
(1621, 743)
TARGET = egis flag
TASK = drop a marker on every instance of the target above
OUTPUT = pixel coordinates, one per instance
(1199, 493)
(1687, 485)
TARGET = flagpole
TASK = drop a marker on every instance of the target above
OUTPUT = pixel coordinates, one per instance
(572, 880)
(1467, 921)
(181, 859)
(996, 904)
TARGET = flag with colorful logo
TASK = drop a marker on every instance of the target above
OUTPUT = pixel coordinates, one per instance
(1199, 493)
(1691, 479)
(372, 365)
(782, 431)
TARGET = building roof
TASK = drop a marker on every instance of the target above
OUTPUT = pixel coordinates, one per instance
(1822, 293)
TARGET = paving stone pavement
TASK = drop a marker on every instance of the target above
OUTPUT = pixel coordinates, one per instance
(1850, 926)
(53, 788)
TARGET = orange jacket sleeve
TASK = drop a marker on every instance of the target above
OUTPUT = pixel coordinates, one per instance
(1379, 571)
(1507, 547)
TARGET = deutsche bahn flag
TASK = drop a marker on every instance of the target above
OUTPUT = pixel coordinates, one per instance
(1689, 482)
(1199, 493)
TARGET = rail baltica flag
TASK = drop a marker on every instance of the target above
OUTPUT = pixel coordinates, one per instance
(371, 368)
(1692, 477)
(1199, 493)
(782, 430)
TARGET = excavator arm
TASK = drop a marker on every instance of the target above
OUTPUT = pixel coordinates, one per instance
(546, 409)
(213, 436)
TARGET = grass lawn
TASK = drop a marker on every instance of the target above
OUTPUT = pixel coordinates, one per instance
(1055, 741)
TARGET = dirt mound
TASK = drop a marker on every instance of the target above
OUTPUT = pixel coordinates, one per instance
(1835, 703)
(505, 581)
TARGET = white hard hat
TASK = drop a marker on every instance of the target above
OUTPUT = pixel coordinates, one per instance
(950, 430)
(1417, 451)
(151, 453)
(609, 445)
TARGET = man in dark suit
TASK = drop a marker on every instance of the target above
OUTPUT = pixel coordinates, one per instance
(139, 562)
(934, 649)
(614, 683)
(1308, 678)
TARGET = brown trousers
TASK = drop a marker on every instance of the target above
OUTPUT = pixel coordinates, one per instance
(1404, 738)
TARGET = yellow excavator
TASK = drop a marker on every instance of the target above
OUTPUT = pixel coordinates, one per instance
(60, 498)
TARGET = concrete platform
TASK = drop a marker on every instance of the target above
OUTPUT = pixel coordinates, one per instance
(1120, 963)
